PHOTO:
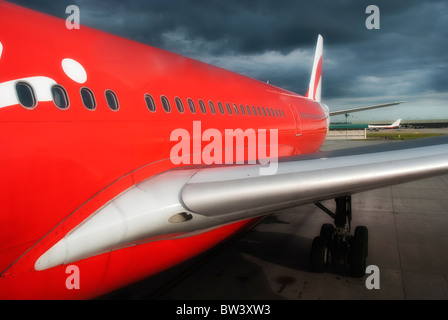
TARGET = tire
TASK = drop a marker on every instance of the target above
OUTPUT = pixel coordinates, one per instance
(319, 254)
(358, 252)
(362, 233)
(326, 231)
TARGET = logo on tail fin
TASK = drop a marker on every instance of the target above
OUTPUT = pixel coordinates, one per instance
(314, 89)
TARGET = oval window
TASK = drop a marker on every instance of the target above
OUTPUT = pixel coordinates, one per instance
(111, 99)
(165, 104)
(25, 94)
(235, 107)
(60, 98)
(179, 105)
(150, 102)
(229, 109)
(212, 107)
(88, 99)
(191, 106)
(202, 106)
(243, 112)
(220, 107)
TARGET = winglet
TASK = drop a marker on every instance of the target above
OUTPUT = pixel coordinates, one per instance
(314, 89)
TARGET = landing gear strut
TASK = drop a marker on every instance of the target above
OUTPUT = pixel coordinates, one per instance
(335, 244)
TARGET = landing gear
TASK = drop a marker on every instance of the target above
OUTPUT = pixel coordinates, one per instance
(336, 246)
(358, 252)
(319, 254)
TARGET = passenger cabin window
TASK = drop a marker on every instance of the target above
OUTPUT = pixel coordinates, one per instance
(179, 105)
(212, 107)
(221, 108)
(166, 104)
(88, 99)
(25, 94)
(202, 106)
(243, 112)
(60, 97)
(236, 109)
(191, 106)
(229, 109)
(150, 103)
(111, 99)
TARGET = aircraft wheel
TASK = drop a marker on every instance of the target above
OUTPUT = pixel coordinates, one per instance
(319, 254)
(358, 252)
(362, 232)
(326, 231)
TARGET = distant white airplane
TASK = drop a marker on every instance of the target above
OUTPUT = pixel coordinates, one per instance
(394, 125)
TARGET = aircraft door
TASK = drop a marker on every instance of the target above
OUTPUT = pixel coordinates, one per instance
(297, 120)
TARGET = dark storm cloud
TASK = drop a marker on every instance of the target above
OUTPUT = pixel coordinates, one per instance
(274, 40)
(247, 26)
(242, 26)
(55, 8)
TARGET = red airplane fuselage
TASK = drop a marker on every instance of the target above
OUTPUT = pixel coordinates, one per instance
(60, 164)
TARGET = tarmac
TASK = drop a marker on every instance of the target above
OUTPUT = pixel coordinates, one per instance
(408, 245)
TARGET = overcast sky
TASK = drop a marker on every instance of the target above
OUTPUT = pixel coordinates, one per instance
(406, 59)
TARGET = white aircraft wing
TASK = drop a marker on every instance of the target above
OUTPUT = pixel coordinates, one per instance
(345, 111)
(325, 175)
(184, 202)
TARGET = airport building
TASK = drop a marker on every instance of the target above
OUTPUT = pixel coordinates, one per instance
(347, 131)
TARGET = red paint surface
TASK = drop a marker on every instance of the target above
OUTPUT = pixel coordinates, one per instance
(57, 167)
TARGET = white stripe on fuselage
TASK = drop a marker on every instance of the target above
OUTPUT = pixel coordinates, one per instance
(41, 86)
